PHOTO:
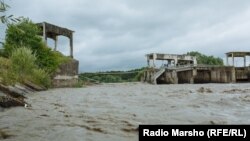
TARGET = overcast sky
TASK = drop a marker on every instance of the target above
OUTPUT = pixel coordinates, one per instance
(116, 34)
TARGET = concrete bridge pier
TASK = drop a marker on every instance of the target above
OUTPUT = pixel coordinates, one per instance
(171, 77)
(194, 71)
(187, 76)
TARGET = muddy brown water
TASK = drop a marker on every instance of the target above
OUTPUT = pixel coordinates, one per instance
(111, 112)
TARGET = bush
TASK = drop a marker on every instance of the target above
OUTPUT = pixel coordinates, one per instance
(25, 33)
(40, 77)
(23, 61)
(7, 76)
(23, 64)
(21, 67)
(4, 63)
(139, 75)
(1, 52)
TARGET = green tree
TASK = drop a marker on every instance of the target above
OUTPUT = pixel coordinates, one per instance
(25, 33)
(5, 19)
(204, 59)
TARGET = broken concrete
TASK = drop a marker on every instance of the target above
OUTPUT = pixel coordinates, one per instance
(66, 75)
(181, 69)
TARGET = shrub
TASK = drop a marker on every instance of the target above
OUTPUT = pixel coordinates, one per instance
(23, 61)
(25, 33)
(4, 63)
(1, 52)
(7, 76)
(40, 77)
(21, 67)
(139, 75)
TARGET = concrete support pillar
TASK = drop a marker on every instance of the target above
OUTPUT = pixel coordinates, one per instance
(194, 61)
(44, 34)
(169, 62)
(56, 40)
(154, 58)
(245, 62)
(193, 74)
(71, 45)
(227, 61)
(148, 61)
(233, 75)
(175, 62)
(233, 58)
(175, 77)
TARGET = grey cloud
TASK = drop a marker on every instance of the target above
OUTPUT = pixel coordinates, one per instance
(116, 34)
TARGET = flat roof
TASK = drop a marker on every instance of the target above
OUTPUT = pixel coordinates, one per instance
(238, 53)
(54, 30)
(161, 56)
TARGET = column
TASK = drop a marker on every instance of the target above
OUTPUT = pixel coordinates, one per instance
(148, 61)
(56, 39)
(71, 45)
(175, 61)
(245, 62)
(233, 58)
(44, 33)
(227, 61)
(154, 58)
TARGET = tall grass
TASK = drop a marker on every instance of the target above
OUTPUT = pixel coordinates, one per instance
(21, 67)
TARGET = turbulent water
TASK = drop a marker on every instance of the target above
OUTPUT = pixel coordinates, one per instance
(112, 112)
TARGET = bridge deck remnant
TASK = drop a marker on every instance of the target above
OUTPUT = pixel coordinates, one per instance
(184, 69)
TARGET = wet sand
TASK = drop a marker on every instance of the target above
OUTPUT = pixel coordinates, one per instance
(112, 112)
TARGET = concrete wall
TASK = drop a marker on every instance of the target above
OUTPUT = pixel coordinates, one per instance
(203, 76)
(185, 77)
(215, 75)
(66, 75)
(242, 73)
(196, 75)
(170, 77)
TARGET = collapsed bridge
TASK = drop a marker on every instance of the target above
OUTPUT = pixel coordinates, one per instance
(179, 69)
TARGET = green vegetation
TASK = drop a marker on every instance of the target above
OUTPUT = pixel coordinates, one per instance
(6, 18)
(113, 76)
(206, 60)
(25, 33)
(25, 57)
(21, 67)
